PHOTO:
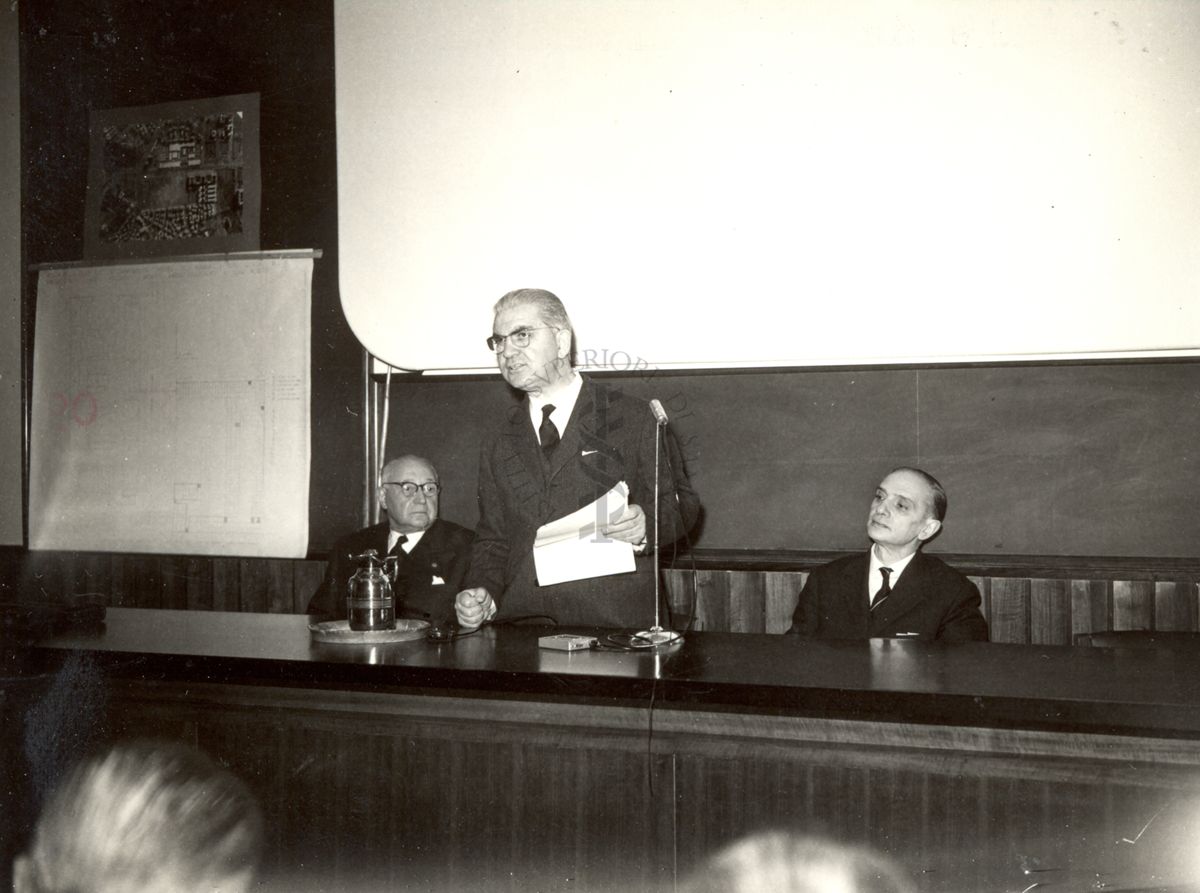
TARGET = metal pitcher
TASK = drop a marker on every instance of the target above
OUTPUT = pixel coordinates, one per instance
(371, 604)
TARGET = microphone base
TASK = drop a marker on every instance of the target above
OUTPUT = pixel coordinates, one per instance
(656, 636)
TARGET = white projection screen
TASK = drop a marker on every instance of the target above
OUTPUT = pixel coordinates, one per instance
(724, 183)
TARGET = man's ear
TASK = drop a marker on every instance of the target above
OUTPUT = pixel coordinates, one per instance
(563, 337)
(932, 526)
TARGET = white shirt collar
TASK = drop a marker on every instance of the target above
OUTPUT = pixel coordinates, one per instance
(409, 544)
(896, 566)
(563, 402)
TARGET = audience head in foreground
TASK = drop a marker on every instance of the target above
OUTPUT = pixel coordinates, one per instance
(791, 863)
(146, 816)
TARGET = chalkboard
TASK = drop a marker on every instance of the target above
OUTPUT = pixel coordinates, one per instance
(1071, 459)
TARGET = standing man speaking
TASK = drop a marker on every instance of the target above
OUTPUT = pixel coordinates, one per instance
(570, 441)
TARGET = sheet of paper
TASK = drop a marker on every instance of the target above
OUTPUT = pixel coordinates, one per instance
(171, 408)
(572, 548)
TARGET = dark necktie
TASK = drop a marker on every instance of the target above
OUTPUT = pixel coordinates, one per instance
(547, 433)
(885, 590)
(400, 578)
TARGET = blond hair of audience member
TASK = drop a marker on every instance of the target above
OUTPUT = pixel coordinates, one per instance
(791, 863)
(152, 817)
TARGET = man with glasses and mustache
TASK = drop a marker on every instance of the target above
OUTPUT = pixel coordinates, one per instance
(433, 554)
(568, 442)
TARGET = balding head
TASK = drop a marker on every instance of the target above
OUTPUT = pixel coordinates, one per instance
(907, 510)
(417, 510)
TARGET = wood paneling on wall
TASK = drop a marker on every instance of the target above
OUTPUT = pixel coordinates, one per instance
(193, 583)
(1045, 602)
(1020, 609)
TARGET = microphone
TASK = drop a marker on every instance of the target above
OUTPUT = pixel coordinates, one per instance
(656, 635)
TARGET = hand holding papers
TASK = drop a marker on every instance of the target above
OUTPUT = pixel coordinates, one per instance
(573, 548)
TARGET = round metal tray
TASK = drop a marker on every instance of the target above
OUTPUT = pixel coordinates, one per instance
(339, 631)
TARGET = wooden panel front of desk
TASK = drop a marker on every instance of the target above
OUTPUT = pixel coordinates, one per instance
(368, 790)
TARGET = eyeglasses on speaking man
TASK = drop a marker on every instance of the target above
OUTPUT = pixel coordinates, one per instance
(517, 337)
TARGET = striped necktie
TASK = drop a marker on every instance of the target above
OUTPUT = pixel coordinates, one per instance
(885, 590)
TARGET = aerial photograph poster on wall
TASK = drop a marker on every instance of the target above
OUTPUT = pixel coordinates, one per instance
(175, 178)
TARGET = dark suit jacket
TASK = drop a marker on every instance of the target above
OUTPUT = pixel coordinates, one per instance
(444, 552)
(609, 438)
(930, 599)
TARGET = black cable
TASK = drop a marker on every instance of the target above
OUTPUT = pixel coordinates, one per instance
(452, 636)
(459, 633)
(650, 735)
(515, 621)
(612, 642)
(625, 642)
(695, 595)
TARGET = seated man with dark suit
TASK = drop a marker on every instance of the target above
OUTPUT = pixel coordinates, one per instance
(894, 590)
(433, 554)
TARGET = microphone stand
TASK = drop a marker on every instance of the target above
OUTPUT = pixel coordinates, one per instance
(656, 635)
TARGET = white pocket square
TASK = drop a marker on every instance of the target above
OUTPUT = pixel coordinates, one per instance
(587, 452)
(438, 581)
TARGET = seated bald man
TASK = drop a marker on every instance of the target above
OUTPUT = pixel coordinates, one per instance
(894, 590)
(433, 553)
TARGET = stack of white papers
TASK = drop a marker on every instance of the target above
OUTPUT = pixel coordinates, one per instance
(573, 548)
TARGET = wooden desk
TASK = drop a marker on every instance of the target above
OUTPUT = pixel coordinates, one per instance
(491, 764)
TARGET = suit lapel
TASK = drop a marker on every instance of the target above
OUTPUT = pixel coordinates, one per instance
(852, 593)
(428, 555)
(582, 419)
(421, 551)
(522, 443)
(533, 473)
